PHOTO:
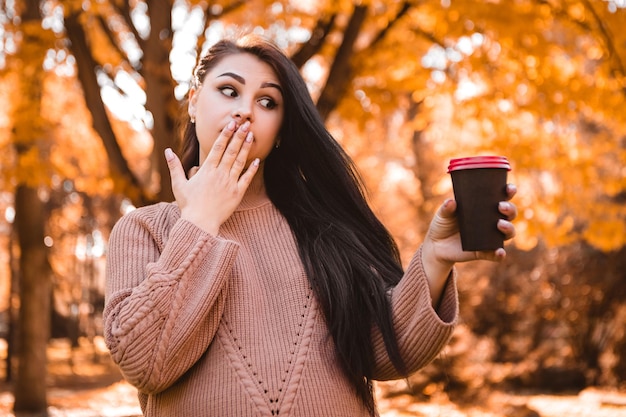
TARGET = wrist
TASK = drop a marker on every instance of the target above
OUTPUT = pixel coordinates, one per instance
(204, 223)
(430, 260)
(436, 270)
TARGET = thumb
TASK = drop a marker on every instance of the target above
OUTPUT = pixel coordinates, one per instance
(447, 209)
(177, 174)
(444, 223)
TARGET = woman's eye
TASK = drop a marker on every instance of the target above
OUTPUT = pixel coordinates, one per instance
(228, 91)
(268, 103)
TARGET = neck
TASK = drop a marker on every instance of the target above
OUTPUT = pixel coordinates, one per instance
(257, 185)
(255, 194)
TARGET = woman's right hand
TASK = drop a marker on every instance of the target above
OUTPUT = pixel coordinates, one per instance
(212, 194)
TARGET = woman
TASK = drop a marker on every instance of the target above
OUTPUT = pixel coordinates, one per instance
(269, 287)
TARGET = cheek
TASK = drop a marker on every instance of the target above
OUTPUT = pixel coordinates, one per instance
(277, 125)
(262, 148)
(275, 131)
(267, 129)
(206, 137)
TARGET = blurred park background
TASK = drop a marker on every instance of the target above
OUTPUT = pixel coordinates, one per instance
(92, 92)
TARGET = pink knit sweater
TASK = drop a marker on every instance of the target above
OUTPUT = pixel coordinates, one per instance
(228, 326)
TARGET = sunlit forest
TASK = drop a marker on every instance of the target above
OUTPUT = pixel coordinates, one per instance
(93, 91)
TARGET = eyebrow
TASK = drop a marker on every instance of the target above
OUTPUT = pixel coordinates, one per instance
(242, 80)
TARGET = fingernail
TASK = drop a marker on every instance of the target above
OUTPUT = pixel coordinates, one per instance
(256, 162)
(169, 155)
(231, 125)
(503, 205)
(249, 137)
(245, 126)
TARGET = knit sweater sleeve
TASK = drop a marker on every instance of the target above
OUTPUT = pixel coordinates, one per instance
(165, 292)
(422, 332)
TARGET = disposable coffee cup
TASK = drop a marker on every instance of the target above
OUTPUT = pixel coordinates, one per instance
(479, 184)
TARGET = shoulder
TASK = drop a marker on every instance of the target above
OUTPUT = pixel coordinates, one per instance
(156, 220)
(154, 214)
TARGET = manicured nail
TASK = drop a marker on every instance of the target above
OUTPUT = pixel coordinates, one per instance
(256, 162)
(249, 137)
(231, 125)
(503, 205)
(244, 127)
(169, 155)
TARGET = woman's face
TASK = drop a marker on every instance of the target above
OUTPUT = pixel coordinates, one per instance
(240, 87)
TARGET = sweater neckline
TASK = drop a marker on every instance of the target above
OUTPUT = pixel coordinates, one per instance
(253, 200)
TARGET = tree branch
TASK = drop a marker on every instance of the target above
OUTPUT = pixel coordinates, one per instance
(618, 69)
(406, 6)
(340, 72)
(124, 12)
(315, 42)
(618, 72)
(123, 177)
(211, 16)
(114, 43)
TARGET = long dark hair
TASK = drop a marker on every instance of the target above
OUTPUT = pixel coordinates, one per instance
(350, 258)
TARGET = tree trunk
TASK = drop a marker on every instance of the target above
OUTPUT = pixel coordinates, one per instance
(13, 313)
(160, 99)
(426, 163)
(30, 219)
(35, 288)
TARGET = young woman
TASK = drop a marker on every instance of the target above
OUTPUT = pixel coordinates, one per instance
(269, 287)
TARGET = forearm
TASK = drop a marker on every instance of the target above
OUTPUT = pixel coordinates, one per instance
(421, 330)
(437, 273)
(163, 308)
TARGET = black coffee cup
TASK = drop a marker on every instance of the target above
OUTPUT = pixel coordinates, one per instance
(479, 184)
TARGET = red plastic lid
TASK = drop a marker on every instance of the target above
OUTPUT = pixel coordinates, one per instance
(473, 162)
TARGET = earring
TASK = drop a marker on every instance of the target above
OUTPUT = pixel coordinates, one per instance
(192, 119)
(277, 145)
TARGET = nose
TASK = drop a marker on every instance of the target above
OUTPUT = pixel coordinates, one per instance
(242, 113)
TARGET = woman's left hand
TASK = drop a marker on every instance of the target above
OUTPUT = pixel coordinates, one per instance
(442, 246)
(444, 239)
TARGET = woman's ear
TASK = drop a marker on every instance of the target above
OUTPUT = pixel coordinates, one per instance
(191, 105)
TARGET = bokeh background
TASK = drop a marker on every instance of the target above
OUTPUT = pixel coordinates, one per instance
(92, 92)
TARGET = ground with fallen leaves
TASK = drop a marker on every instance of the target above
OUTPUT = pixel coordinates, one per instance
(84, 383)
